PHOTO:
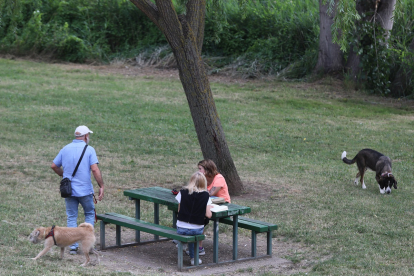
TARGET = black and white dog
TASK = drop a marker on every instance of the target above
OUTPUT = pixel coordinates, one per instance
(377, 162)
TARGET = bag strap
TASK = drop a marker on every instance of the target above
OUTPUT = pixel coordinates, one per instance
(80, 159)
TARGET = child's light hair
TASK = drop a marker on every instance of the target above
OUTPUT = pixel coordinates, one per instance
(197, 183)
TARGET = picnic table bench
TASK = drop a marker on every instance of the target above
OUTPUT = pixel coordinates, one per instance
(255, 226)
(156, 229)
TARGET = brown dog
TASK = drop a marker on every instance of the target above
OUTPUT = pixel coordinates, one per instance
(65, 236)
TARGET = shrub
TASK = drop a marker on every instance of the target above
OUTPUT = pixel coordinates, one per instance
(73, 49)
(95, 28)
(270, 35)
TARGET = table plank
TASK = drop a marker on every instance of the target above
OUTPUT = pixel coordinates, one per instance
(153, 194)
(165, 197)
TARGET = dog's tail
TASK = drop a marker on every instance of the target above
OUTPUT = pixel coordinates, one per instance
(346, 160)
(86, 225)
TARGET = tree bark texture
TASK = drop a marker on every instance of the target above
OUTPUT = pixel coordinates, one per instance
(378, 11)
(330, 57)
(185, 34)
(385, 13)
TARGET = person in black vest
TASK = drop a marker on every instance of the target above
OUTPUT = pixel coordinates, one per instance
(194, 205)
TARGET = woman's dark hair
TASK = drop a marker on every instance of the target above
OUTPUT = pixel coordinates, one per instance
(209, 167)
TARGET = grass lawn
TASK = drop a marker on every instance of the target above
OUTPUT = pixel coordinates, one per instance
(286, 140)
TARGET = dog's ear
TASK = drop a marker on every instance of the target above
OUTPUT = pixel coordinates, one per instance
(34, 234)
(393, 181)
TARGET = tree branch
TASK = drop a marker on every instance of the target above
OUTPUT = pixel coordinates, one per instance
(196, 13)
(149, 9)
(170, 24)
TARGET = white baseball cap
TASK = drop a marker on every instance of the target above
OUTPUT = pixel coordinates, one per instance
(82, 130)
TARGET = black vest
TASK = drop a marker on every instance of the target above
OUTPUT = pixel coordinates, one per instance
(193, 207)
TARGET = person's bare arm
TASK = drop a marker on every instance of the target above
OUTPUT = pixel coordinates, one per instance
(214, 191)
(98, 177)
(57, 170)
(208, 211)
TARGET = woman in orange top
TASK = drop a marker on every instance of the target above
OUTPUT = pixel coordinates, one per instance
(216, 186)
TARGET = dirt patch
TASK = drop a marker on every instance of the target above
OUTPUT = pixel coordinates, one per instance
(161, 258)
(129, 68)
(332, 87)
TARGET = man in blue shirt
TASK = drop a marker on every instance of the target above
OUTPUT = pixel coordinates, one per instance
(82, 190)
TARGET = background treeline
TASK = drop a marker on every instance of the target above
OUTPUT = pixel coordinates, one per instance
(262, 37)
(80, 30)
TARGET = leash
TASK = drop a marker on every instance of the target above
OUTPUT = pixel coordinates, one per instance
(52, 234)
(96, 202)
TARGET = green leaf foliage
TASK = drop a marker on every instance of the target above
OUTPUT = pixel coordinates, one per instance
(376, 58)
(99, 29)
(266, 37)
(273, 33)
(382, 57)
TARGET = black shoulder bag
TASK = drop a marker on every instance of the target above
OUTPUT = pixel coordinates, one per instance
(65, 183)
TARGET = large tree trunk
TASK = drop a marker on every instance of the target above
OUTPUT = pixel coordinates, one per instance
(380, 12)
(403, 78)
(185, 35)
(385, 14)
(330, 58)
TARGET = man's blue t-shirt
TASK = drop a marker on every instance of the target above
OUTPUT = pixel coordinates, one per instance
(68, 157)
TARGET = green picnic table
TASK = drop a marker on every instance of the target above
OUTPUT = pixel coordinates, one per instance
(161, 196)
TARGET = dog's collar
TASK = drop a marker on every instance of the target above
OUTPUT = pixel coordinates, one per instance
(387, 174)
(52, 234)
